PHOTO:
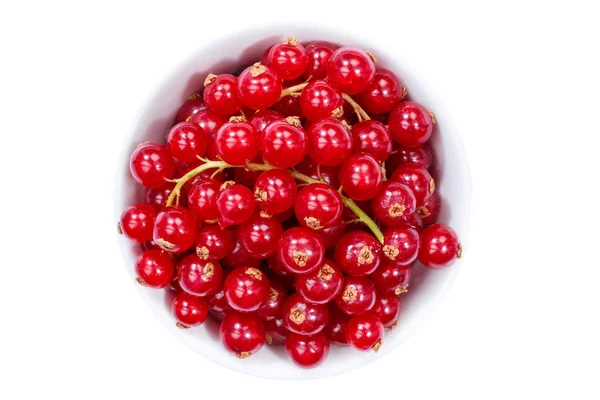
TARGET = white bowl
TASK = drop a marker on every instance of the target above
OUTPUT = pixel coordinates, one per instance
(453, 181)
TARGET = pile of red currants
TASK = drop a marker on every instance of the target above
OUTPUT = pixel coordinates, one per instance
(290, 202)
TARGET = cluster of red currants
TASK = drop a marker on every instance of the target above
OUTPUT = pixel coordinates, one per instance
(287, 247)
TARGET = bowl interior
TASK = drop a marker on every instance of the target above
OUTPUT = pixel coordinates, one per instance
(228, 54)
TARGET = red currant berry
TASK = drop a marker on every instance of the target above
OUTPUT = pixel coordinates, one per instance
(439, 246)
(259, 87)
(400, 245)
(318, 58)
(186, 142)
(202, 200)
(278, 268)
(289, 106)
(319, 99)
(365, 332)
(175, 229)
(336, 327)
(321, 285)
(217, 305)
(301, 250)
(260, 236)
(151, 165)
(283, 143)
(422, 155)
(242, 334)
(235, 204)
(393, 202)
(329, 175)
(350, 70)
(137, 222)
(372, 137)
(414, 221)
(220, 94)
(307, 351)
(318, 206)
(194, 104)
(410, 124)
(237, 143)
(272, 307)
(418, 179)
(275, 191)
(209, 121)
(246, 289)
(387, 309)
(382, 94)
(189, 310)
(358, 253)
(213, 243)
(154, 268)
(301, 316)
(361, 177)
(157, 197)
(240, 258)
(357, 295)
(392, 278)
(262, 118)
(332, 234)
(276, 331)
(199, 277)
(329, 142)
(288, 59)
(430, 211)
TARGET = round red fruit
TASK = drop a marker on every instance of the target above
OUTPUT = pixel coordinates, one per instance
(418, 179)
(361, 176)
(329, 142)
(189, 310)
(235, 204)
(151, 165)
(307, 351)
(321, 285)
(260, 236)
(301, 250)
(237, 143)
(319, 99)
(137, 222)
(220, 94)
(358, 253)
(382, 94)
(154, 268)
(303, 317)
(242, 334)
(357, 295)
(259, 87)
(350, 70)
(175, 229)
(373, 138)
(365, 332)
(275, 191)
(283, 143)
(439, 246)
(318, 206)
(393, 203)
(410, 124)
(199, 277)
(288, 59)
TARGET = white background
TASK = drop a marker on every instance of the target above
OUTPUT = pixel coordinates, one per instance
(522, 80)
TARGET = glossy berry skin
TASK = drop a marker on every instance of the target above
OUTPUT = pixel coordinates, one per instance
(288, 59)
(393, 202)
(336, 326)
(271, 309)
(283, 143)
(209, 121)
(410, 124)
(361, 176)
(422, 155)
(382, 94)
(365, 332)
(175, 229)
(235, 204)
(318, 58)
(301, 250)
(372, 137)
(358, 253)
(213, 243)
(199, 277)
(259, 87)
(307, 351)
(278, 268)
(318, 100)
(318, 206)
(332, 234)
(275, 191)
(418, 179)
(276, 331)
(350, 70)
(439, 246)
(239, 258)
(186, 142)
(137, 222)
(246, 288)
(329, 142)
(414, 220)
(301, 316)
(262, 118)
(357, 295)
(237, 143)
(189, 310)
(387, 309)
(391, 278)
(242, 334)
(202, 200)
(154, 268)
(217, 304)
(194, 104)
(400, 245)
(289, 106)
(151, 165)
(430, 210)
(157, 197)
(321, 285)
(260, 236)
(220, 94)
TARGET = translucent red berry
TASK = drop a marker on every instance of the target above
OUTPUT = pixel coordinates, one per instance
(246, 289)
(307, 351)
(194, 104)
(439, 246)
(157, 197)
(387, 309)
(272, 308)
(283, 143)
(430, 210)
(288, 59)
(137, 222)
(242, 334)
(154, 268)
(187, 141)
(235, 204)
(220, 94)
(189, 310)
(199, 277)
(365, 332)
(301, 250)
(357, 295)
(321, 285)
(175, 229)
(336, 326)
(260, 236)
(301, 316)
(422, 155)
(237, 143)
(209, 121)
(318, 206)
(275, 191)
(259, 87)
(393, 203)
(319, 99)
(391, 278)
(373, 138)
(239, 258)
(151, 165)
(329, 142)
(410, 124)
(213, 243)
(358, 253)
(262, 118)
(418, 179)
(400, 245)
(350, 70)
(382, 94)
(361, 176)
(202, 200)
(318, 58)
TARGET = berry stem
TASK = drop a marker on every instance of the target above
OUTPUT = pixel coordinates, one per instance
(363, 217)
(181, 181)
(357, 108)
(293, 89)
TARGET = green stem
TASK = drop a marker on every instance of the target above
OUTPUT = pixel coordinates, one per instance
(293, 89)
(363, 217)
(181, 181)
